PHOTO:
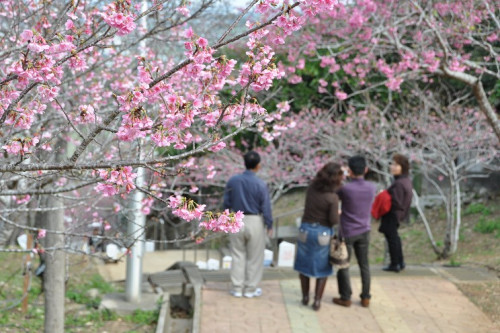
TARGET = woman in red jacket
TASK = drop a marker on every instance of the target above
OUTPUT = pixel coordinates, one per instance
(401, 195)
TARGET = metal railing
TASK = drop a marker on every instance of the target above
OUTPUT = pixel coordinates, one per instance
(287, 232)
(277, 233)
(280, 232)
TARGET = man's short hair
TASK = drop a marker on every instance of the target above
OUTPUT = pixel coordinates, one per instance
(357, 164)
(252, 159)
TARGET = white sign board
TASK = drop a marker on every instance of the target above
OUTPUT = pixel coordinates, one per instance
(286, 254)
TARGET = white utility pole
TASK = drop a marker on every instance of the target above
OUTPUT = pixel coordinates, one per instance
(137, 225)
(136, 231)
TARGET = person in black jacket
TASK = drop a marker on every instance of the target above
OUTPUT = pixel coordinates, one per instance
(401, 196)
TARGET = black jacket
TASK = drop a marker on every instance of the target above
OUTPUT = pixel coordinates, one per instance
(401, 195)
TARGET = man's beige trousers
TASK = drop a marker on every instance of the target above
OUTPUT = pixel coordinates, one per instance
(247, 252)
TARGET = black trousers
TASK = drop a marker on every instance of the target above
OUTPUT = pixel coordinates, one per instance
(389, 227)
(395, 249)
(360, 245)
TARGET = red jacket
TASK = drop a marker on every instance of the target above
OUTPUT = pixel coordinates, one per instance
(381, 205)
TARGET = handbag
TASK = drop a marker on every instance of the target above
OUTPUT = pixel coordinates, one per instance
(339, 257)
(381, 205)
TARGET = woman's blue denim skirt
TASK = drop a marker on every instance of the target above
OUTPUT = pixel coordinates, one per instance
(313, 250)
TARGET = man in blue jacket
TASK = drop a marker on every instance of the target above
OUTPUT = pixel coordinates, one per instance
(247, 193)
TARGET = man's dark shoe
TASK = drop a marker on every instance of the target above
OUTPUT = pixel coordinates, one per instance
(391, 268)
(402, 266)
(342, 302)
(365, 302)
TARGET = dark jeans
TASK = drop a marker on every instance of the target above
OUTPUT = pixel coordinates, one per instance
(395, 249)
(360, 243)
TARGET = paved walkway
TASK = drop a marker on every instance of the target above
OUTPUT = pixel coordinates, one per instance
(421, 299)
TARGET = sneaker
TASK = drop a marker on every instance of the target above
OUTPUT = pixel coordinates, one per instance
(235, 293)
(256, 293)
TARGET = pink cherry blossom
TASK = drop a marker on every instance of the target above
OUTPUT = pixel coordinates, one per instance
(188, 33)
(123, 22)
(41, 233)
(69, 25)
(22, 199)
(26, 35)
(217, 147)
(183, 11)
(340, 95)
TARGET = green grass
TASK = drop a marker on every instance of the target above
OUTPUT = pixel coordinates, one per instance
(442, 214)
(81, 280)
(489, 226)
(143, 317)
(477, 208)
(4, 318)
(98, 282)
(412, 234)
(454, 262)
(79, 295)
(97, 318)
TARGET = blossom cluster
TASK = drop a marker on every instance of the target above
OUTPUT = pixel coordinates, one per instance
(187, 209)
(135, 124)
(259, 71)
(115, 179)
(20, 146)
(148, 201)
(226, 221)
(21, 199)
(118, 16)
(86, 114)
(39, 68)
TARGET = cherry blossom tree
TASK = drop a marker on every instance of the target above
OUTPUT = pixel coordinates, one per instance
(371, 45)
(76, 71)
(366, 56)
(100, 100)
(447, 144)
(444, 141)
(290, 158)
(91, 92)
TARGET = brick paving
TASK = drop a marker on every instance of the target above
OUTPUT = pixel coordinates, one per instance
(420, 299)
(400, 303)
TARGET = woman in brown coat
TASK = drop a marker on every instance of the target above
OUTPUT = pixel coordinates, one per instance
(321, 212)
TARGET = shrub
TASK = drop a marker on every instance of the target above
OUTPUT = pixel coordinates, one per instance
(488, 226)
(477, 208)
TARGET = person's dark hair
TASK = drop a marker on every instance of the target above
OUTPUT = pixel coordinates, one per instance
(357, 164)
(329, 178)
(403, 161)
(252, 159)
